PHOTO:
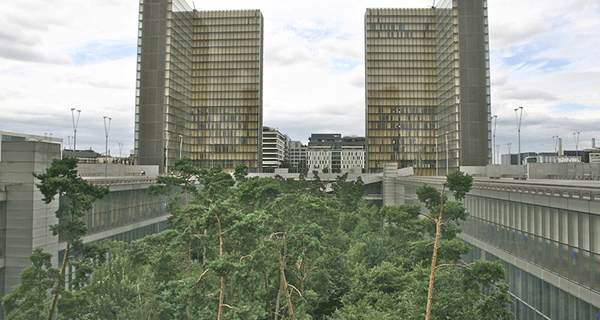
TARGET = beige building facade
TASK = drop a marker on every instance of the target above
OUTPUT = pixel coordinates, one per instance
(199, 86)
(427, 87)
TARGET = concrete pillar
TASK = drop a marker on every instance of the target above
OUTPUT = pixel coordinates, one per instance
(560, 149)
(390, 173)
(28, 218)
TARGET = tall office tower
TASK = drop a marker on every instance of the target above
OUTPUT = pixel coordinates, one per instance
(427, 87)
(199, 86)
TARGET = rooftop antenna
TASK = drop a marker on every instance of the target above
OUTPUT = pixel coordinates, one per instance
(194, 5)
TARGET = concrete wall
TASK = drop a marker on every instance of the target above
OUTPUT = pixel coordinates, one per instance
(28, 218)
(115, 170)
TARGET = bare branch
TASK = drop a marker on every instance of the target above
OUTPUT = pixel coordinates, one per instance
(428, 216)
(227, 306)
(295, 289)
(246, 256)
(202, 275)
(275, 234)
(455, 265)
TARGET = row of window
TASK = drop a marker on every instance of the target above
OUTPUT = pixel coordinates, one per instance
(227, 43)
(401, 26)
(581, 266)
(534, 298)
(567, 227)
(419, 63)
(401, 56)
(401, 95)
(247, 67)
(214, 36)
(228, 15)
(399, 15)
(246, 103)
(250, 87)
(373, 73)
(403, 87)
(225, 57)
(226, 50)
(122, 208)
(401, 34)
(396, 42)
(391, 101)
(230, 26)
(224, 95)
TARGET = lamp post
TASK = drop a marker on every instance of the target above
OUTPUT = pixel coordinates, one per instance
(75, 124)
(576, 143)
(576, 151)
(494, 140)
(519, 116)
(120, 150)
(167, 154)
(106, 130)
(447, 153)
(180, 145)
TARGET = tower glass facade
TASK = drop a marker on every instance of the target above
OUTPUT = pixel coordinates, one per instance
(420, 64)
(199, 86)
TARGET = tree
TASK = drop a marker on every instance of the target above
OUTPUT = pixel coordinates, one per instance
(186, 177)
(449, 212)
(27, 301)
(61, 180)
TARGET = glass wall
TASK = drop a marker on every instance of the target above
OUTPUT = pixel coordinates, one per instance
(122, 208)
(564, 242)
(427, 87)
(227, 88)
(401, 88)
(533, 298)
(199, 86)
(2, 228)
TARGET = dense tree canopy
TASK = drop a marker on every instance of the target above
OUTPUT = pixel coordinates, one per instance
(274, 248)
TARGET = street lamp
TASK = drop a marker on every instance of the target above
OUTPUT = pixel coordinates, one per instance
(167, 153)
(75, 124)
(120, 150)
(180, 145)
(576, 151)
(519, 116)
(494, 140)
(106, 130)
(576, 143)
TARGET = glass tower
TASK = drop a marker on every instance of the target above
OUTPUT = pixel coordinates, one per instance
(427, 87)
(199, 86)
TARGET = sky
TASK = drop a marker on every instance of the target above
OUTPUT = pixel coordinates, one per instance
(61, 54)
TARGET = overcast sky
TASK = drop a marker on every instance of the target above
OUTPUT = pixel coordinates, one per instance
(61, 54)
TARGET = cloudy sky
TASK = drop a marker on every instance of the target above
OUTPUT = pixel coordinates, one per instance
(61, 54)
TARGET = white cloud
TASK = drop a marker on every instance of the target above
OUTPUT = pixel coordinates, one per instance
(55, 55)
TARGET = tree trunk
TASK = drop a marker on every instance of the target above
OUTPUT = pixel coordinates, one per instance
(222, 293)
(63, 269)
(188, 269)
(278, 300)
(288, 295)
(438, 231)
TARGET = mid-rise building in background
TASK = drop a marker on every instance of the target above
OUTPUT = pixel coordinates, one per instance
(427, 87)
(199, 86)
(296, 153)
(273, 147)
(334, 153)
